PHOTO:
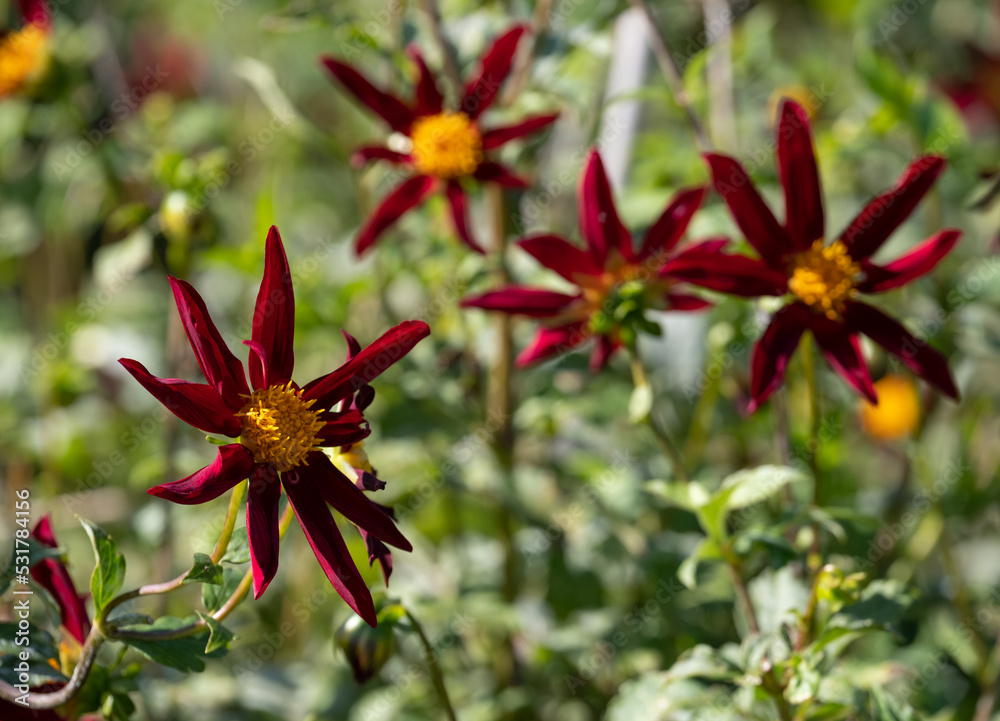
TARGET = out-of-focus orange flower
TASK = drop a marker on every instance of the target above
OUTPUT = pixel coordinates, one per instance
(897, 413)
(23, 55)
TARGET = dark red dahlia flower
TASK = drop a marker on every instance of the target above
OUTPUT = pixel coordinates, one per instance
(281, 429)
(617, 282)
(822, 280)
(51, 574)
(447, 148)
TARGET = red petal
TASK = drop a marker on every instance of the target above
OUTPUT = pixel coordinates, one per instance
(749, 210)
(552, 341)
(599, 222)
(663, 235)
(367, 365)
(843, 351)
(352, 503)
(274, 317)
(390, 108)
(406, 196)
(327, 543)
(376, 152)
(482, 88)
(196, 404)
(773, 350)
(726, 273)
(490, 172)
(560, 255)
(602, 352)
(515, 299)
(685, 302)
(344, 429)
(233, 464)
(799, 176)
(262, 526)
(884, 214)
(52, 575)
(919, 357)
(35, 12)
(498, 136)
(460, 215)
(917, 262)
(429, 99)
(221, 368)
(378, 551)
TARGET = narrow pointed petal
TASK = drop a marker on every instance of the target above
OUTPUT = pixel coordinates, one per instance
(274, 317)
(352, 503)
(561, 256)
(549, 342)
(261, 360)
(52, 575)
(367, 153)
(664, 234)
(353, 347)
(221, 368)
(344, 429)
(799, 176)
(367, 365)
(482, 88)
(233, 464)
(599, 223)
(774, 349)
(327, 543)
(604, 348)
(378, 551)
(843, 351)
(406, 196)
(429, 98)
(197, 404)
(459, 205)
(727, 273)
(390, 108)
(873, 225)
(262, 526)
(491, 172)
(518, 300)
(919, 261)
(498, 136)
(685, 302)
(749, 210)
(889, 333)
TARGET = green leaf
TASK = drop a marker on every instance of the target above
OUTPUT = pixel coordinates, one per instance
(882, 605)
(185, 654)
(204, 570)
(673, 493)
(109, 574)
(886, 708)
(705, 662)
(214, 596)
(37, 552)
(755, 485)
(218, 635)
(706, 550)
(239, 547)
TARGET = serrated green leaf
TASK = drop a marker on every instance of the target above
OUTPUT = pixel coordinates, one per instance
(184, 654)
(109, 573)
(214, 596)
(218, 635)
(204, 570)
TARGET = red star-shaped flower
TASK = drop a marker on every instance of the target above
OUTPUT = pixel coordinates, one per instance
(822, 280)
(281, 428)
(446, 147)
(616, 282)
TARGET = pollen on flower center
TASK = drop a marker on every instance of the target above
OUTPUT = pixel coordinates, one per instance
(21, 55)
(823, 277)
(447, 145)
(280, 427)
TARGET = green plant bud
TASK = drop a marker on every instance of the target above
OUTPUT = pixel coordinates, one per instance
(367, 649)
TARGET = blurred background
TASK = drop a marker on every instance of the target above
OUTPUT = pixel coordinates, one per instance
(165, 137)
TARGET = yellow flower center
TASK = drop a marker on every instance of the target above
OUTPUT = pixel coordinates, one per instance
(897, 414)
(21, 54)
(447, 145)
(280, 427)
(823, 277)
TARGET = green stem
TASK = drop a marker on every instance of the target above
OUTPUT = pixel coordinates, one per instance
(436, 676)
(809, 370)
(666, 443)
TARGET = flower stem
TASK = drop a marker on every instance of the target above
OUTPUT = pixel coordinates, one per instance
(667, 445)
(665, 59)
(88, 654)
(436, 676)
(809, 370)
(742, 592)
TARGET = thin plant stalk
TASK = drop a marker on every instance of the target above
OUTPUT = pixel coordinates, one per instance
(437, 678)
